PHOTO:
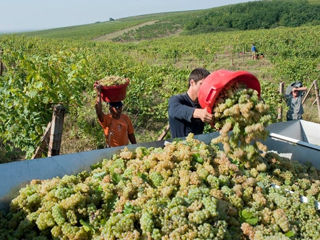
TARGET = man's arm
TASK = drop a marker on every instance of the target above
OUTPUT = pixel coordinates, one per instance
(183, 112)
(132, 138)
(178, 110)
(300, 89)
(98, 105)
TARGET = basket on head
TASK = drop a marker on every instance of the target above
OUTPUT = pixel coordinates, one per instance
(218, 80)
(114, 93)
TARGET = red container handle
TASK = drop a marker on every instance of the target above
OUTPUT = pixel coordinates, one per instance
(210, 95)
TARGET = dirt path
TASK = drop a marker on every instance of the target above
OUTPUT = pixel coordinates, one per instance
(110, 36)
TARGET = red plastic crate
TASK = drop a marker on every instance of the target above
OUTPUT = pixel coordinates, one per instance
(218, 80)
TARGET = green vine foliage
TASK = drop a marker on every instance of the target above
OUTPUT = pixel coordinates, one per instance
(32, 84)
(43, 72)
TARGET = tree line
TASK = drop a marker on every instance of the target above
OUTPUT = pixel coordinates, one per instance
(255, 15)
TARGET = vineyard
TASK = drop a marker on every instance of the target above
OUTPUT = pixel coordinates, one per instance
(230, 186)
(40, 73)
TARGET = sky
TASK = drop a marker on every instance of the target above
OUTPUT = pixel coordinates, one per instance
(27, 15)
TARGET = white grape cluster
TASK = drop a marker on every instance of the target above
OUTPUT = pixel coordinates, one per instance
(112, 81)
(241, 117)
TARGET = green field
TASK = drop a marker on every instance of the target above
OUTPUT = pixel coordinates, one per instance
(60, 66)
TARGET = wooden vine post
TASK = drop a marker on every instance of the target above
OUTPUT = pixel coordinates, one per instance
(56, 130)
(317, 96)
(307, 94)
(51, 139)
(281, 92)
(164, 132)
(314, 102)
(243, 53)
(232, 63)
(1, 64)
(44, 142)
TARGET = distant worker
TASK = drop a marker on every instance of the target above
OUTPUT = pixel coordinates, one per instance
(294, 94)
(254, 51)
(117, 127)
(185, 114)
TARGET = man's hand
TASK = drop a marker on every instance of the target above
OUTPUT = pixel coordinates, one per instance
(203, 115)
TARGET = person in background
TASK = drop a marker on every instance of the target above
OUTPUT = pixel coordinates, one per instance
(117, 127)
(254, 51)
(185, 114)
(293, 96)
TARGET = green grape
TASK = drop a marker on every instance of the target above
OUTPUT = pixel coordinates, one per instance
(58, 215)
(146, 222)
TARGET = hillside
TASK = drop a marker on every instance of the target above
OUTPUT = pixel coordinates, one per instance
(95, 30)
(243, 16)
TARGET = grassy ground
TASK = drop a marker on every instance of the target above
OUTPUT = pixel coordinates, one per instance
(311, 110)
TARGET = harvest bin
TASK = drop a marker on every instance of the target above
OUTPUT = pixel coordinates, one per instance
(295, 139)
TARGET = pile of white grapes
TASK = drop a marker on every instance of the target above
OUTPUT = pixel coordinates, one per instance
(112, 81)
(186, 190)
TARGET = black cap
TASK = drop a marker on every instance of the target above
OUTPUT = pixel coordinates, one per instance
(116, 104)
(296, 84)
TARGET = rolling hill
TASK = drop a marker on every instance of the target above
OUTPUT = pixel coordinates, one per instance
(243, 16)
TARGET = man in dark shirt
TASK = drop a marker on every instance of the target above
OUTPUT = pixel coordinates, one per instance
(185, 114)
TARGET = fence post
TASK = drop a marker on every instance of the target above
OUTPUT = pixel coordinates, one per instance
(314, 101)
(306, 95)
(1, 64)
(317, 96)
(43, 142)
(232, 63)
(56, 130)
(243, 53)
(281, 92)
(164, 132)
